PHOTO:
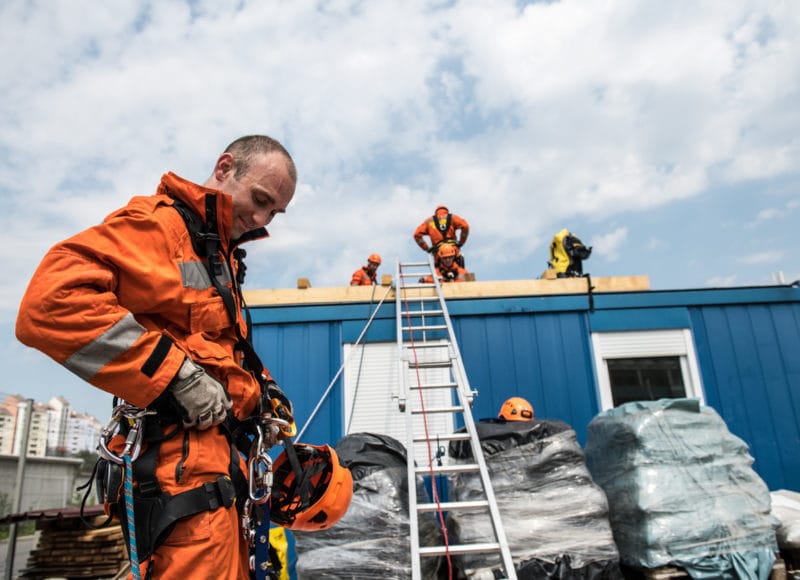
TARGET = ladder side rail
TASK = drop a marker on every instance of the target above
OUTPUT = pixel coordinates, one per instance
(465, 396)
(416, 564)
(398, 298)
(483, 470)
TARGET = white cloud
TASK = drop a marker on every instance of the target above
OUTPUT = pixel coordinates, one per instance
(608, 246)
(722, 281)
(523, 119)
(768, 257)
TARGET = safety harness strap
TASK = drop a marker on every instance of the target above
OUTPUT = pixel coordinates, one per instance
(157, 512)
(207, 245)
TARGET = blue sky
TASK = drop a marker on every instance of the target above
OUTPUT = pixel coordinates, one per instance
(665, 134)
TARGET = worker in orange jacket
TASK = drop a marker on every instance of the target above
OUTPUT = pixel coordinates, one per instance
(441, 228)
(447, 269)
(367, 275)
(130, 306)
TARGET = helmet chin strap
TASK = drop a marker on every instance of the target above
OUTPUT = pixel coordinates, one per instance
(294, 462)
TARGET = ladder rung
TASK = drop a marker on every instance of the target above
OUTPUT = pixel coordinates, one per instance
(435, 386)
(427, 345)
(415, 286)
(425, 328)
(427, 298)
(487, 547)
(445, 364)
(423, 313)
(453, 505)
(447, 437)
(413, 264)
(414, 274)
(453, 409)
(456, 468)
(430, 365)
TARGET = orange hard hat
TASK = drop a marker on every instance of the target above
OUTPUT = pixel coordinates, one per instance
(441, 210)
(516, 409)
(374, 258)
(319, 498)
(447, 251)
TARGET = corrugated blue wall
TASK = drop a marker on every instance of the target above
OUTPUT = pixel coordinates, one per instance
(542, 357)
(303, 358)
(747, 341)
(749, 357)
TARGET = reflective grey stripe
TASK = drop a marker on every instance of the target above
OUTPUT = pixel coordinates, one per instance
(88, 361)
(195, 275)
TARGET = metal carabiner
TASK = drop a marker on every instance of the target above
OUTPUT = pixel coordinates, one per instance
(133, 441)
(259, 470)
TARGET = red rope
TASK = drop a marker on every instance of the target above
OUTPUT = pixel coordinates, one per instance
(434, 486)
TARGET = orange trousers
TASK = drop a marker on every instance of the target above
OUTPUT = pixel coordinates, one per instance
(208, 545)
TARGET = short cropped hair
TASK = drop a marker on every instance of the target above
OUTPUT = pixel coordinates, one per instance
(246, 148)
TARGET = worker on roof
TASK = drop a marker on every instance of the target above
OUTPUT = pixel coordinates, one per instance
(367, 275)
(516, 409)
(567, 254)
(147, 306)
(447, 269)
(441, 228)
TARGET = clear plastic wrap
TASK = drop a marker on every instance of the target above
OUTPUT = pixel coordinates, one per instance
(680, 488)
(551, 510)
(372, 539)
(786, 508)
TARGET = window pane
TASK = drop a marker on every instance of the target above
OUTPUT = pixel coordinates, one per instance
(645, 379)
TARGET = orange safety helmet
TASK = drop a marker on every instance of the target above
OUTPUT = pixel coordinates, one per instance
(319, 498)
(447, 251)
(516, 409)
(374, 258)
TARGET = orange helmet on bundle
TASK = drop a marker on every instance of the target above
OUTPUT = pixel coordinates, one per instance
(317, 498)
(516, 409)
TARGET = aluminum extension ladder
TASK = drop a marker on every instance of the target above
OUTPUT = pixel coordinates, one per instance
(433, 392)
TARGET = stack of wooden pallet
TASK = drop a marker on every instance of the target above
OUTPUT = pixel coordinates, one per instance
(68, 549)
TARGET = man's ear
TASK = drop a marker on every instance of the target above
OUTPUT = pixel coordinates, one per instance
(225, 166)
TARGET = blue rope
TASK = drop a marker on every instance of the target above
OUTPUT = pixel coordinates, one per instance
(137, 574)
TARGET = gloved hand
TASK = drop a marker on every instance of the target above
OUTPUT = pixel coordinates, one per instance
(202, 400)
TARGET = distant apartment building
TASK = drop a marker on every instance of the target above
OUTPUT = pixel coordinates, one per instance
(55, 428)
(82, 433)
(6, 431)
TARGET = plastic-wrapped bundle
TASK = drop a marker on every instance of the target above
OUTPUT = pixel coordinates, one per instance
(786, 508)
(372, 539)
(555, 518)
(681, 489)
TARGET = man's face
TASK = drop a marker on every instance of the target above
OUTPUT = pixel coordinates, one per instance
(447, 262)
(261, 193)
(372, 266)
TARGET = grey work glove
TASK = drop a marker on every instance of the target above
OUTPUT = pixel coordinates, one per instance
(203, 401)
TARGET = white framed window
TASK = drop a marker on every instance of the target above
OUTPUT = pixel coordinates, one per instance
(645, 365)
(372, 387)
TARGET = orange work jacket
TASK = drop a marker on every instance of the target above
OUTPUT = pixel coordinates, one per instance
(454, 274)
(363, 278)
(122, 303)
(428, 228)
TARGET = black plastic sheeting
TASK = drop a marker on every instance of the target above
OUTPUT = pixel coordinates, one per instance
(371, 541)
(555, 517)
